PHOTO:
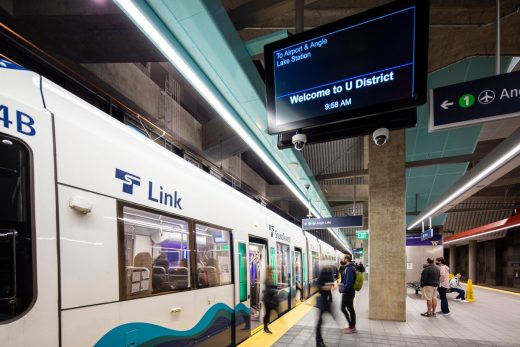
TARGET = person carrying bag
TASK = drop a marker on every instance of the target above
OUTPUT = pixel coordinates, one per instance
(346, 288)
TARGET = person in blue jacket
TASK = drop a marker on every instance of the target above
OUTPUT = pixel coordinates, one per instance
(348, 277)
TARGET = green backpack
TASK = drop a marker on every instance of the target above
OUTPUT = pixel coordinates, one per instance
(358, 283)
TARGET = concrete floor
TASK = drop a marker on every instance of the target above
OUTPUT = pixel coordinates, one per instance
(492, 320)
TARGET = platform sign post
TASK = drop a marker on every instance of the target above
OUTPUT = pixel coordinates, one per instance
(473, 102)
(332, 222)
(427, 234)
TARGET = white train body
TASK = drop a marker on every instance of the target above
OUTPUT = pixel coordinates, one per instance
(82, 160)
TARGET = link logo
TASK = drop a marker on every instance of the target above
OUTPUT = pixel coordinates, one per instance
(129, 180)
(160, 196)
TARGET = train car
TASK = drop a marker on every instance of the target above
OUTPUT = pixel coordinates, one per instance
(313, 248)
(327, 254)
(108, 239)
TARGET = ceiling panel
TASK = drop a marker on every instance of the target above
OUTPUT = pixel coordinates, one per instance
(432, 181)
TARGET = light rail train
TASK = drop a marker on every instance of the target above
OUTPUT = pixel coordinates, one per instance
(108, 239)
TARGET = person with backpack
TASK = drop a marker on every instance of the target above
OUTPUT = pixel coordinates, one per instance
(346, 288)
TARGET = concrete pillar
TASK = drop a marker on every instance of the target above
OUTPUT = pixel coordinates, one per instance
(387, 226)
(472, 261)
(453, 259)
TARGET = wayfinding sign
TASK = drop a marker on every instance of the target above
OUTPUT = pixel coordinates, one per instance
(477, 101)
(427, 234)
(332, 222)
(362, 234)
(370, 63)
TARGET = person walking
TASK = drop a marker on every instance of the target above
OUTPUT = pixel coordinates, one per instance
(325, 283)
(429, 283)
(270, 298)
(457, 288)
(348, 277)
(444, 285)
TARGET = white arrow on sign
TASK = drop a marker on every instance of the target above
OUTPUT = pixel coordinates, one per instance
(446, 104)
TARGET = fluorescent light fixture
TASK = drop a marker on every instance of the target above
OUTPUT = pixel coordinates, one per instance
(514, 61)
(486, 233)
(495, 165)
(187, 71)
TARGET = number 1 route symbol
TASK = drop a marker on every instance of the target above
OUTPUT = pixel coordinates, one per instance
(467, 100)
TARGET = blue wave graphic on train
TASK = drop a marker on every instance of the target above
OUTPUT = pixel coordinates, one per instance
(6, 64)
(214, 325)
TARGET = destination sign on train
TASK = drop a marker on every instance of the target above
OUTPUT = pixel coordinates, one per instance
(371, 63)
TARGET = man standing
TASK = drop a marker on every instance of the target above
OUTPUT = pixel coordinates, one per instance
(348, 277)
(444, 284)
(429, 283)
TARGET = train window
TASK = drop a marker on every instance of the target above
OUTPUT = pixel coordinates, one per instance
(156, 251)
(17, 280)
(315, 262)
(282, 265)
(213, 256)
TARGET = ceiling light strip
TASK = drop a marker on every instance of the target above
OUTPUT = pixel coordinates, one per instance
(495, 165)
(178, 61)
(481, 234)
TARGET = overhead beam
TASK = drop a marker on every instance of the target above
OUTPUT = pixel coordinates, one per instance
(343, 193)
(256, 45)
(342, 175)
(411, 164)
(445, 160)
(505, 182)
(485, 209)
(254, 13)
(474, 209)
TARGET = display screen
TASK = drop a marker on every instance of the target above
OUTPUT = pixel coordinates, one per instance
(371, 63)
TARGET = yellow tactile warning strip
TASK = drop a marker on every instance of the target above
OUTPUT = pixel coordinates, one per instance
(497, 290)
(280, 326)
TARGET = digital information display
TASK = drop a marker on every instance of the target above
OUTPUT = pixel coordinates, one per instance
(361, 65)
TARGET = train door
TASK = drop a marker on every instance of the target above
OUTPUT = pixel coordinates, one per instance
(28, 241)
(257, 267)
(242, 308)
(282, 269)
(298, 276)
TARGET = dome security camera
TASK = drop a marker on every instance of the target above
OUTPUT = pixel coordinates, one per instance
(299, 141)
(381, 136)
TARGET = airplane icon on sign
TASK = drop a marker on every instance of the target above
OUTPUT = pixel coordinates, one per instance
(486, 97)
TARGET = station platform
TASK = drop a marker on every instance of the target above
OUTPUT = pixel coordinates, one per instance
(492, 320)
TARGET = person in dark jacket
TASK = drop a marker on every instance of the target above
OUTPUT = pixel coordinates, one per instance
(348, 277)
(429, 282)
(270, 298)
(325, 283)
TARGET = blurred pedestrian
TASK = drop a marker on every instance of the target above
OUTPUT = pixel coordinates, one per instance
(270, 298)
(429, 283)
(325, 283)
